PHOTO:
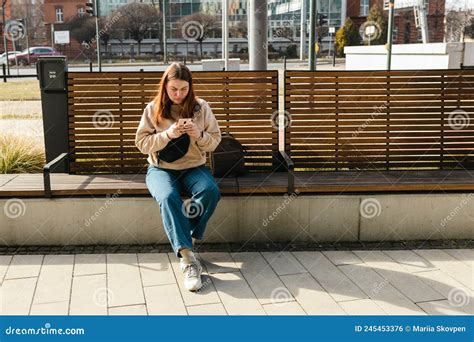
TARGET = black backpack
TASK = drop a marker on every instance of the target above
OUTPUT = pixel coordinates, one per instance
(227, 160)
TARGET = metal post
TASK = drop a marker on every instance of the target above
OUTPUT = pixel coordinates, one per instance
(225, 33)
(27, 37)
(258, 35)
(99, 59)
(52, 36)
(303, 30)
(16, 58)
(391, 10)
(312, 35)
(330, 44)
(4, 73)
(187, 49)
(27, 31)
(165, 49)
(5, 45)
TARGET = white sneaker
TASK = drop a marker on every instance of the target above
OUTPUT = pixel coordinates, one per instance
(192, 275)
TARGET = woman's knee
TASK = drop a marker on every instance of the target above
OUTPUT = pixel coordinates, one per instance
(163, 193)
(167, 195)
(212, 190)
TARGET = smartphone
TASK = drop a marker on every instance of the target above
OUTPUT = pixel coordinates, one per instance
(182, 122)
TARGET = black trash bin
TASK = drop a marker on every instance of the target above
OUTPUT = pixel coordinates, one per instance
(52, 74)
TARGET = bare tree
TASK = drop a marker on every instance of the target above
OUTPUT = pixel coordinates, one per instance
(81, 28)
(33, 11)
(137, 19)
(117, 32)
(458, 25)
(238, 31)
(284, 31)
(470, 28)
(158, 6)
(197, 27)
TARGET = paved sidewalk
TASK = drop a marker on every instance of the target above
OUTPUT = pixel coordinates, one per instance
(389, 282)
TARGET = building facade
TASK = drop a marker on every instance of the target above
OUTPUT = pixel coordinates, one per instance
(284, 25)
(405, 30)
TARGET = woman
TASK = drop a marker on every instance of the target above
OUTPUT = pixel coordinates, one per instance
(177, 157)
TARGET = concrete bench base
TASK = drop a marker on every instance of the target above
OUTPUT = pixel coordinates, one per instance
(295, 218)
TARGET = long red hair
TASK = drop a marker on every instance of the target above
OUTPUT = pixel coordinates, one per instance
(162, 102)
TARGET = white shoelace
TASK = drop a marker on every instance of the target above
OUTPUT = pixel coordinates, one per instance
(191, 270)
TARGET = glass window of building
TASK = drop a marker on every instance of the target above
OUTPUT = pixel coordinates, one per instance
(59, 15)
(364, 8)
(289, 13)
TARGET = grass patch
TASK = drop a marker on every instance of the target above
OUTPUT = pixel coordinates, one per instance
(35, 116)
(21, 90)
(19, 155)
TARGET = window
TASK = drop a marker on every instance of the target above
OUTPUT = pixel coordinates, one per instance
(186, 9)
(406, 37)
(395, 35)
(364, 8)
(59, 15)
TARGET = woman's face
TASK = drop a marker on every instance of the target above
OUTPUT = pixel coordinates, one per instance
(177, 90)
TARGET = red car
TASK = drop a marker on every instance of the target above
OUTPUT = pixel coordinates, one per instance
(34, 53)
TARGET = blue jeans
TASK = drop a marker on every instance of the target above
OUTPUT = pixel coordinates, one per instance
(183, 221)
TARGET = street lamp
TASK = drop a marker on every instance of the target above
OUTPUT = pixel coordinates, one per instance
(165, 50)
(24, 31)
(5, 45)
(92, 8)
(391, 9)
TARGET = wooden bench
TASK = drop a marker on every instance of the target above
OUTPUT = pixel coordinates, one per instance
(104, 110)
(349, 132)
(355, 131)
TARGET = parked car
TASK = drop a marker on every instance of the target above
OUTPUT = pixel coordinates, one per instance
(34, 53)
(3, 56)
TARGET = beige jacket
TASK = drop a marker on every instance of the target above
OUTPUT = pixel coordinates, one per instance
(151, 137)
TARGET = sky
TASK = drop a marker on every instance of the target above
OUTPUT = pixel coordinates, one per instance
(456, 4)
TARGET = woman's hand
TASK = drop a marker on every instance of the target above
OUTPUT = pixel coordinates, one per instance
(174, 131)
(192, 130)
